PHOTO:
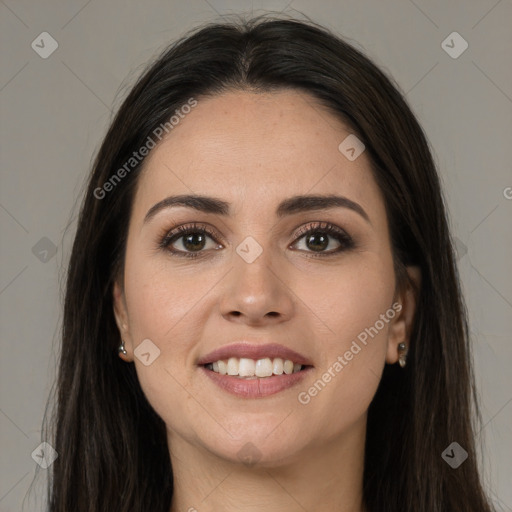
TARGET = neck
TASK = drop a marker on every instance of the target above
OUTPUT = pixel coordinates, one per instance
(322, 478)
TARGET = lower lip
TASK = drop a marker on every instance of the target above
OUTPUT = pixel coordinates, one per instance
(256, 388)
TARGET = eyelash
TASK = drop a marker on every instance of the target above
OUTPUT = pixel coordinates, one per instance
(327, 228)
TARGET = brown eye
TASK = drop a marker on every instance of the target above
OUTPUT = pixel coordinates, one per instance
(317, 238)
(192, 239)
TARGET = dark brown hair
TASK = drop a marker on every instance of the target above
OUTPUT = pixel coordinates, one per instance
(112, 446)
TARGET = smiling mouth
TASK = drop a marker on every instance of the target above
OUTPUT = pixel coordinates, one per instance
(249, 369)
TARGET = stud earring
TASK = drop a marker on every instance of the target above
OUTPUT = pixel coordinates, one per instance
(402, 350)
(121, 349)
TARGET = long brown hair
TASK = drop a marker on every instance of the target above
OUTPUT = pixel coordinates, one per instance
(112, 446)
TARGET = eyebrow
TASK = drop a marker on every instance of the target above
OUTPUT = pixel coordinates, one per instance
(295, 204)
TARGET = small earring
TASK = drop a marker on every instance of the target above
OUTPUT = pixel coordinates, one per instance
(121, 349)
(402, 349)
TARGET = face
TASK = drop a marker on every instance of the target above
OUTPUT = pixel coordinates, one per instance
(253, 267)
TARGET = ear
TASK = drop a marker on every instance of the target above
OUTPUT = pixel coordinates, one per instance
(401, 325)
(121, 316)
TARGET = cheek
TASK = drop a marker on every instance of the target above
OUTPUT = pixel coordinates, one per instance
(356, 311)
(348, 298)
(160, 302)
(163, 307)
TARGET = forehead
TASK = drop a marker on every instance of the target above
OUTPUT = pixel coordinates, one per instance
(254, 148)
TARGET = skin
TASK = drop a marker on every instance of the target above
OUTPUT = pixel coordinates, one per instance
(254, 150)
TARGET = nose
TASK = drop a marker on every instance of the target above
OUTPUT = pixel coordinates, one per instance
(256, 294)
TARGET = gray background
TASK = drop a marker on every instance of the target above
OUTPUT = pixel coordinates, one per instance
(55, 112)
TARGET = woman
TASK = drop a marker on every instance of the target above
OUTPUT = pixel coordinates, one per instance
(262, 306)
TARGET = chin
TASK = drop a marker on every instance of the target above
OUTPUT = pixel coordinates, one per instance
(261, 445)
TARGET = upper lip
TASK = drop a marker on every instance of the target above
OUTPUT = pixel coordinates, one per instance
(252, 351)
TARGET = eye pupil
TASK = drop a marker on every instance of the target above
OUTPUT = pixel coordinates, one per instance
(191, 243)
(317, 246)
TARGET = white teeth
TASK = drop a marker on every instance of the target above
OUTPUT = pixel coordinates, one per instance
(250, 368)
(263, 367)
(223, 368)
(288, 367)
(278, 366)
(233, 365)
(246, 367)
